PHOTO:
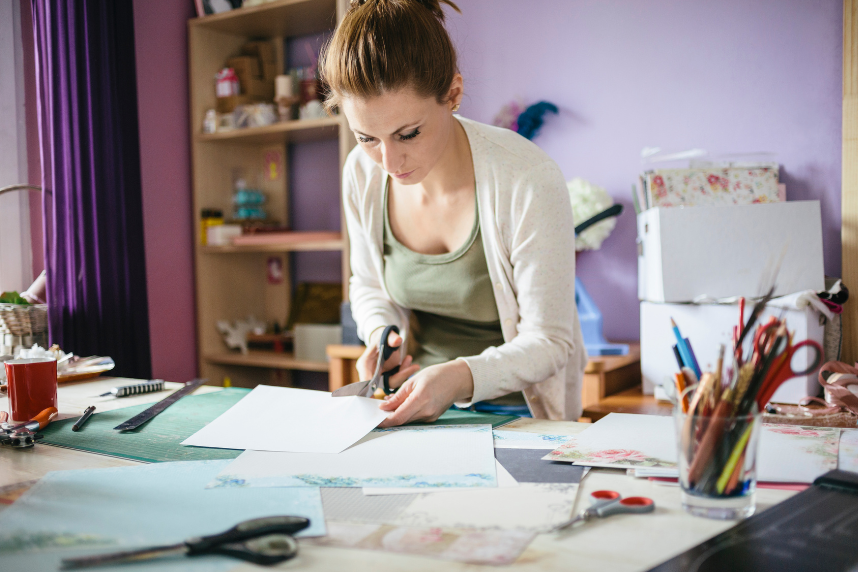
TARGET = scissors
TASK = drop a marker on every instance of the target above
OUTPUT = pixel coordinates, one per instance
(263, 541)
(781, 369)
(607, 503)
(367, 388)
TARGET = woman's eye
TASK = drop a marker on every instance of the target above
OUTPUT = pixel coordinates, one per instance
(365, 139)
(411, 135)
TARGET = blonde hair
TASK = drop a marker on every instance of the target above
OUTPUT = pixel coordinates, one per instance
(385, 45)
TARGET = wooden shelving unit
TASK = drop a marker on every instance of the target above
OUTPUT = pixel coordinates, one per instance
(231, 281)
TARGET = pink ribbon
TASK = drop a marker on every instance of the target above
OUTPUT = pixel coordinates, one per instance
(837, 385)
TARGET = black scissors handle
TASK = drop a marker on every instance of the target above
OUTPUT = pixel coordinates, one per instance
(246, 530)
(385, 350)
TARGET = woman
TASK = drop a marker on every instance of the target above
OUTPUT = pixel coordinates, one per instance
(461, 233)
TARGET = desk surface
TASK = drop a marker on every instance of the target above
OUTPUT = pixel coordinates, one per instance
(620, 543)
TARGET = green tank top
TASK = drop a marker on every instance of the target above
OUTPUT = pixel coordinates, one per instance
(452, 303)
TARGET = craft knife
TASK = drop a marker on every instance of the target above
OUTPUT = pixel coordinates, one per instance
(145, 416)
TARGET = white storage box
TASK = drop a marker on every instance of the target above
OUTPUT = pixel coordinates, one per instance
(686, 253)
(312, 340)
(707, 326)
(222, 234)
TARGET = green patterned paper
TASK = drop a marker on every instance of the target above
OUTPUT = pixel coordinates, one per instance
(159, 439)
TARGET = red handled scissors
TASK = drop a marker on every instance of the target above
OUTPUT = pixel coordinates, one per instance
(781, 369)
(607, 503)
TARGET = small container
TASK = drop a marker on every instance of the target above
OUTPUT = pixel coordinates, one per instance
(209, 218)
(32, 387)
(717, 463)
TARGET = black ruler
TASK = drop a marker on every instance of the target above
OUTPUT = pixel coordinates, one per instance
(145, 416)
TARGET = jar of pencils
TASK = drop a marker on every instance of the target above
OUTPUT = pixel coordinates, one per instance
(717, 441)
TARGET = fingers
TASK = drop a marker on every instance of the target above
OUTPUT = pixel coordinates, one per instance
(394, 340)
(406, 370)
(398, 398)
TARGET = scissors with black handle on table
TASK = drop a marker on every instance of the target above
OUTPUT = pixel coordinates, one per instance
(262, 541)
(367, 388)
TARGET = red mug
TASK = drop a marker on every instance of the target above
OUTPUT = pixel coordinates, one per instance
(32, 386)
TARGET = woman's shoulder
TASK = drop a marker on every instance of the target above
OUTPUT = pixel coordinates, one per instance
(503, 147)
(360, 172)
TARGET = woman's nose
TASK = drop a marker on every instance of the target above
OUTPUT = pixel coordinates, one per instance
(391, 159)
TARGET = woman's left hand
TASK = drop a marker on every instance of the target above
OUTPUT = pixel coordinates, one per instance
(429, 393)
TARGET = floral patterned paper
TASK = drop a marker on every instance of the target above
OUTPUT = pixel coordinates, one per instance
(713, 186)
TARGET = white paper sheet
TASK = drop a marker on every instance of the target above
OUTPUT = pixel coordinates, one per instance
(287, 419)
(426, 457)
(647, 444)
(848, 454)
(535, 507)
(504, 480)
(527, 440)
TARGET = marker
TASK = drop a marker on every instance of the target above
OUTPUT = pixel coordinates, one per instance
(87, 413)
(683, 349)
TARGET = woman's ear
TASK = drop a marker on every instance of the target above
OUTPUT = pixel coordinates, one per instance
(456, 92)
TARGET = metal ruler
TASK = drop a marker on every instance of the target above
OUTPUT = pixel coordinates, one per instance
(145, 416)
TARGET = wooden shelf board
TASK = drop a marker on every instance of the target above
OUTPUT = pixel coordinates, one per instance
(297, 131)
(278, 18)
(266, 359)
(299, 246)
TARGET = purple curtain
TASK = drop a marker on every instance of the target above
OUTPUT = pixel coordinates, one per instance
(94, 250)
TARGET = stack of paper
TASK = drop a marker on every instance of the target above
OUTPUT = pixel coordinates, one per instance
(76, 513)
(420, 457)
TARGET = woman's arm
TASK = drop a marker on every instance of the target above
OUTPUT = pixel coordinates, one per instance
(540, 236)
(370, 307)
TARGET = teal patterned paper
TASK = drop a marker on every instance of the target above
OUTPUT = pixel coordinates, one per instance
(77, 513)
(401, 457)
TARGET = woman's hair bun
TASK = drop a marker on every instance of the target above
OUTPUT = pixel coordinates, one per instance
(433, 6)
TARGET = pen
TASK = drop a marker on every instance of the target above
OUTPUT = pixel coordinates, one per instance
(678, 357)
(87, 413)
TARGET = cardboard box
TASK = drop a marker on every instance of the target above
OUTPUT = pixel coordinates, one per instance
(686, 253)
(312, 341)
(708, 326)
(261, 49)
(247, 69)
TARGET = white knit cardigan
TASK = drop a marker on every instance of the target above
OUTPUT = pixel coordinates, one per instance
(529, 239)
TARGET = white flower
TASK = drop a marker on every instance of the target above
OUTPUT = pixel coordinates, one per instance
(589, 200)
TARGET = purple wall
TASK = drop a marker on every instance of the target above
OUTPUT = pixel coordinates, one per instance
(162, 79)
(725, 76)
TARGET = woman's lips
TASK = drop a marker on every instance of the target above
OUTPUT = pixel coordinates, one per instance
(404, 175)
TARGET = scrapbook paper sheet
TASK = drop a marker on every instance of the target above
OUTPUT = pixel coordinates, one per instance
(492, 547)
(524, 440)
(423, 457)
(535, 507)
(848, 454)
(714, 186)
(796, 454)
(294, 420)
(348, 504)
(646, 443)
(622, 440)
(503, 477)
(92, 511)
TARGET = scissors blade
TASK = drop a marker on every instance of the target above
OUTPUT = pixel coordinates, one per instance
(358, 388)
(125, 556)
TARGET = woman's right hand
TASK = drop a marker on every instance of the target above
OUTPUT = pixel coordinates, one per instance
(369, 359)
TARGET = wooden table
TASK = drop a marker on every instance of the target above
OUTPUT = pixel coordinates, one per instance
(631, 400)
(620, 543)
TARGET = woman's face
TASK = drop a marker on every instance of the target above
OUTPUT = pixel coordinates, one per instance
(404, 133)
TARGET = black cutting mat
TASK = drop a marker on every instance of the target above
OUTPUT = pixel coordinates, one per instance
(527, 466)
